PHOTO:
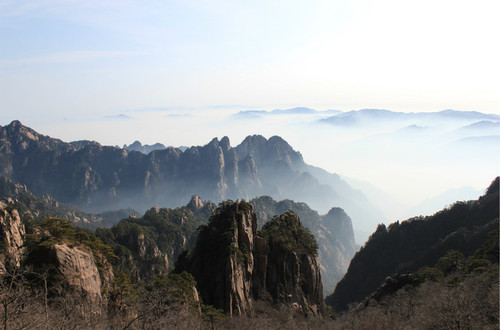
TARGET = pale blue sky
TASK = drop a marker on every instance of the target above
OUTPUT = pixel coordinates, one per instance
(81, 58)
(176, 71)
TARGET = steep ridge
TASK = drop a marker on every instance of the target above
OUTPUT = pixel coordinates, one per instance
(150, 245)
(417, 242)
(234, 265)
(53, 260)
(333, 232)
(45, 206)
(56, 275)
(96, 178)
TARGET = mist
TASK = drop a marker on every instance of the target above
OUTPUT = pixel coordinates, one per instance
(399, 160)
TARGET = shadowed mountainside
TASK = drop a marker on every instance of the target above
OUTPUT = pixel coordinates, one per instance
(235, 265)
(415, 243)
(96, 178)
(333, 232)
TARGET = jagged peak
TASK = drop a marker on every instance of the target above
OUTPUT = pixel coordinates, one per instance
(15, 123)
(225, 142)
(253, 139)
(17, 126)
(214, 142)
(195, 203)
(275, 139)
(136, 143)
(336, 211)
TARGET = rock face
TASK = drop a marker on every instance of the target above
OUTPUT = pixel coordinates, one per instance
(293, 270)
(12, 234)
(73, 269)
(150, 245)
(337, 246)
(79, 269)
(333, 232)
(96, 178)
(234, 265)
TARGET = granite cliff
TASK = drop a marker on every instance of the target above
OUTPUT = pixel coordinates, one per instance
(235, 265)
(149, 245)
(333, 232)
(12, 233)
(53, 258)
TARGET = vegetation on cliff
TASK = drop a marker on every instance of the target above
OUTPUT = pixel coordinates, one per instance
(333, 233)
(236, 267)
(287, 231)
(151, 244)
(418, 242)
(455, 293)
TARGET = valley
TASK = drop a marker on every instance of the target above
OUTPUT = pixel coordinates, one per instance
(91, 225)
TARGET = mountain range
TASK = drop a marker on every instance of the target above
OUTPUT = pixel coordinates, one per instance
(165, 233)
(365, 116)
(261, 257)
(97, 178)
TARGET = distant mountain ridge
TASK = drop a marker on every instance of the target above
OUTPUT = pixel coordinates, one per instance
(39, 208)
(293, 111)
(96, 177)
(357, 117)
(146, 148)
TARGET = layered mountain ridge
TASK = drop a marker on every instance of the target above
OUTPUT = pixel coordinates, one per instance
(96, 177)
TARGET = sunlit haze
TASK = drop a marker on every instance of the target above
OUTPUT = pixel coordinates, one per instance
(178, 72)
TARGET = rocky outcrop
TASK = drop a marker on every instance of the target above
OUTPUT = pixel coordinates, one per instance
(333, 232)
(234, 265)
(79, 271)
(337, 246)
(150, 244)
(54, 254)
(222, 262)
(195, 203)
(293, 269)
(12, 232)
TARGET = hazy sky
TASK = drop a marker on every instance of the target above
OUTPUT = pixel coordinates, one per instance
(77, 59)
(175, 71)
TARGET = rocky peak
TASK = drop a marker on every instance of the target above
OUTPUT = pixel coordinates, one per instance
(15, 124)
(78, 267)
(214, 143)
(22, 131)
(266, 152)
(78, 145)
(12, 232)
(136, 144)
(234, 266)
(225, 144)
(195, 203)
(250, 145)
(339, 222)
(293, 268)
(16, 137)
